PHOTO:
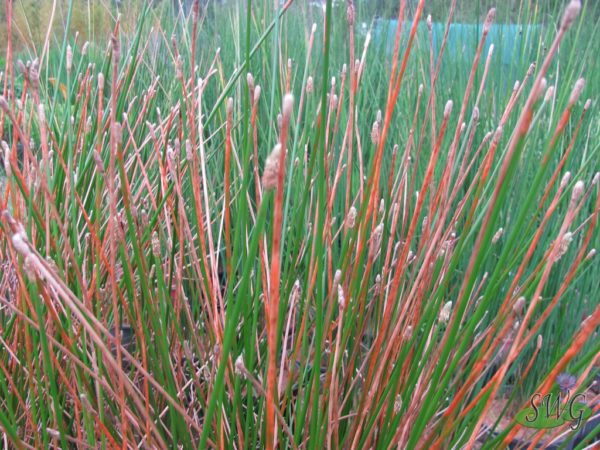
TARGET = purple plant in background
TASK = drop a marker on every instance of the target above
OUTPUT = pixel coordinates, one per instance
(566, 381)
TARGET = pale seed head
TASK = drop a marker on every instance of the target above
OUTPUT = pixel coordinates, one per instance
(445, 312)
(341, 297)
(565, 180)
(375, 133)
(375, 244)
(591, 255)
(571, 13)
(337, 278)
(288, 105)
(498, 235)
(577, 192)
(240, 368)
(309, 85)
(576, 92)
(519, 305)
(563, 245)
(448, 109)
(256, 94)
(351, 218)
(491, 16)
(69, 59)
(20, 243)
(269, 178)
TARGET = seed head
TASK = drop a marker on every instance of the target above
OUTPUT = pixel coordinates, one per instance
(69, 59)
(337, 278)
(549, 94)
(491, 15)
(516, 85)
(565, 180)
(375, 245)
(540, 341)
(334, 101)
(398, 400)
(256, 93)
(375, 133)
(296, 290)
(571, 13)
(240, 368)
(6, 150)
(341, 297)
(349, 15)
(269, 178)
(519, 305)
(20, 243)
(541, 88)
(351, 218)
(563, 245)
(155, 244)
(98, 161)
(576, 92)
(117, 130)
(577, 192)
(22, 67)
(189, 155)
(29, 267)
(448, 109)
(288, 105)
(116, 47)
(377, 285)
(309, 85)
(445, 312)
(591, 255)
(587, 104)
(498, 235)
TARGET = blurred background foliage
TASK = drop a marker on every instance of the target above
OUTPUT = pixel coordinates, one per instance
(95, 18)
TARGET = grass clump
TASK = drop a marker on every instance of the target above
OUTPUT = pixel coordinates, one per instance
(250, 231)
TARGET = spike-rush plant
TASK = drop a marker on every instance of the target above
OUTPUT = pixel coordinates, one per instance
(241, 229)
